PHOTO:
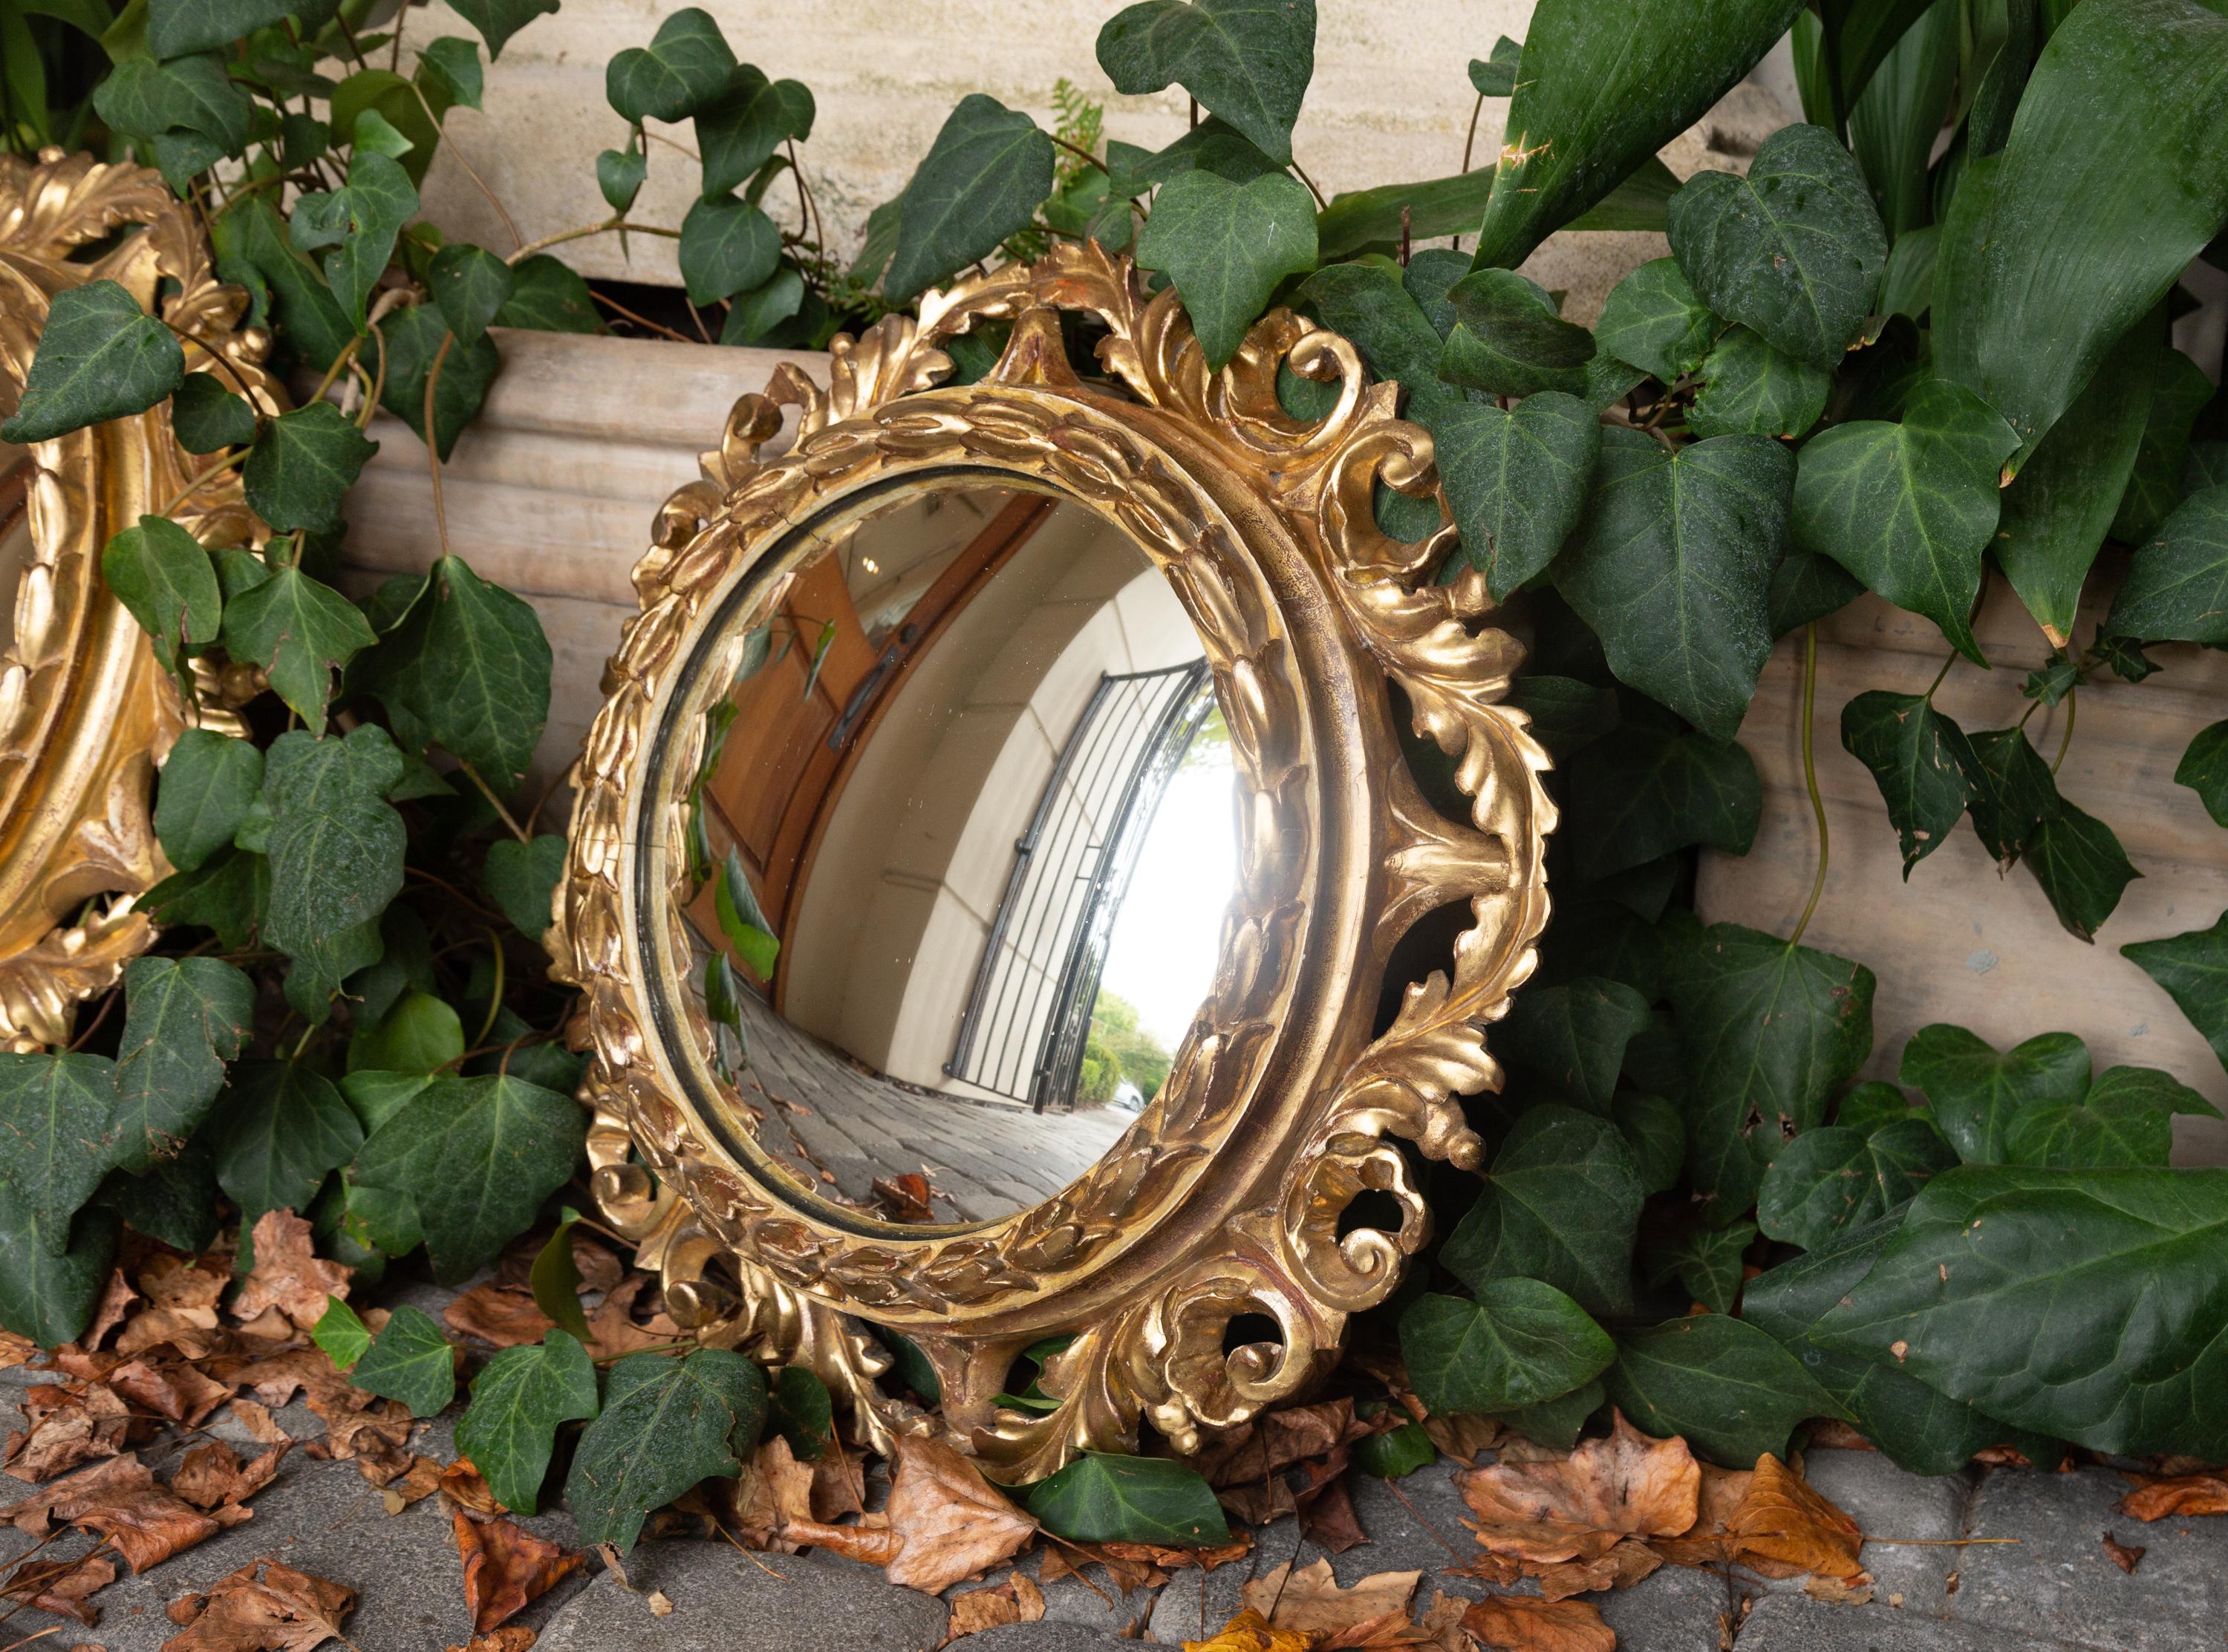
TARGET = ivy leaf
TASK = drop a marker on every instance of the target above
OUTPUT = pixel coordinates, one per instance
(419, 1033)
(2080, 1304)
(303, 467)
(498, 20)
(685, 66)
(1673, 568)
(748, 930)
(1976, 1092)
(2177, 585)
(47, 1292)
(470, 664)
(1732, 1391)
(341, 1334)
(1567, 715)
(2193, 968)
(509, 1428)
(470, 285)
(451, 64)
(1919, 757)
(1556, 1423)
(336, 844)
(1910, 507)
(727, 246)
(61, 1136)
(666, 1424)
(2012, 791)
(2204, 769)
(1642, 792)
(2125, 1120)
(209, 781)
(1707, 1262)
(99, 357)
(1382, 311)
(1657, 1135)
(520, 879)
(800, 1410)
(555, 1279)
(1749, 388)
(1103, 1498)
(1227, 246)
(1794, 250)
(164, 579)
(1771, 1030)
(1560, 1205)
(1834, 1178)
(184, 1017)
(1512, 341)
(227, 894)
(1653, 320)
(619, 174)
(1516, 480)
(739, 131)
(368, 213)
(1574, 1036)
(548, 296)
(190, 109)
(177, 1202)
(1496, 77)
(1396, 1453)
(410, 1361)
(1520, 1344)
(413, 338)
(1247, 61)
(177, 27)
(478, 1156)
(207, 417)
(280, 1130)
(754, 316)
(980, 183)
(2078, 861)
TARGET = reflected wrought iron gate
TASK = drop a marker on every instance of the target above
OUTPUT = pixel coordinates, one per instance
(1028, 1016)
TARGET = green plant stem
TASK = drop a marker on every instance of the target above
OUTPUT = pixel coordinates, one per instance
(216, 360)
(470, 171)
(495, 992)
(1810, 775)
(1076, 149)
(1469, 144)
(612, 223)
(2066, 740)
(1300, 173)
(488, 792)
(433, 436)
(199, 477)
(1940, 676)
(339, 365)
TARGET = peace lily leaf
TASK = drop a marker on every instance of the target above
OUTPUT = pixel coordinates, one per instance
(48, 1292)
(1512, 341)
(1516, 479)
(1519, 1344)
(297, 474)
(1910, 507)
(1976, 1094)
(1771, 1030)
(2012, 791)
(478, 1156)
(1248, 61)
(498, 20)
(281, 1129)
(1893, 124)
(1673, 568)
(1370, 219)
(2081, 1303)
(2193, 970)
(1907, 285)
(555, 1279)
(1560, 1207)
(739, 131)
(1642, 792)
(2180, 390)
(548, 296)
(1920, 759)
(184, 1017)
(61, 1137)
(470, 664)
(413, 338)
(1708, 1263)
(1749, 388)
(1732, 1391)
(1574, 1036)
(207, 417)
(1833, 1178)
(417, 1034)
(1598, 91)
(1657, 1135)
(1653, 320)
(164, 579)
(509, 1428)
(453, 63)
(2125, 1120)
(980, 181)
(1227, 246)
(520, 877)
(343, 1335)
(2056, 514)
(335, 845)
(2204, 769)
(727, 244)
(99, 357)
(2177, 585)
(2054, 248)
(685, 66)
(619, 174)
(470, 284)
(1101, 1498)
(666, 1424)
(744, 924)
(410, 1360)
(1496, 77)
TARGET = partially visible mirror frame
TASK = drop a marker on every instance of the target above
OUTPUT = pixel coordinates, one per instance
(85, 712)
(1228, 1197)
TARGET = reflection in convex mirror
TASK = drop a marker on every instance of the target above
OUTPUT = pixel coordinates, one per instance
(960, 844)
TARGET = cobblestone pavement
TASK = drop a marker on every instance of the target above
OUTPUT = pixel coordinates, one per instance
(2053, 1590)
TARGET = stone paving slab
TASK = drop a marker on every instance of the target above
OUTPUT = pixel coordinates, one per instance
(1797, 1624)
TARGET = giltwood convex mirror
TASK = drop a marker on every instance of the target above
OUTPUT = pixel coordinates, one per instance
(987, 864)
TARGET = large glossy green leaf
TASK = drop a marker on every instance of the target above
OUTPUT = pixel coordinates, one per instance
(184, 1017)
(1732, 1392)
(1560, 1205)
(2193, 968)
(1247, 61)
(2055, 247)
(1518, 1344)
(666, 1424)
(417, 1033)
(166, 582)
(1101, 1498)
(99, 357)
(980, 181)
(207, 418)
(1642, 792)
(2081, 1303)
(509, 1429)
(336, 843)
(1835, 1178)
(683, 68)
(1707, 1261)
(1919, 758)
(1910, 507)
(469, 663)
(1673, 568)
(1362, 219)
(452, 63)
(58, 1136)
(190, 97)
(1892, 125)
(2179, 390)
(1574, 1036)
(279, 1130)
(1226, 246)
(1975, 1093)
(2177, 585)
(1600, 89)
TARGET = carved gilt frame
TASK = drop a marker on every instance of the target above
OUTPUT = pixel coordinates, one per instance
(1285, 1102)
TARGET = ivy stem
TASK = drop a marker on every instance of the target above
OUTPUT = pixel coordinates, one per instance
(2066, 740)
(107, 1003)
(614, 222)
(463, 899)
(639, 321)
(470, 171)
(1939, 676)
(804, 191)
(1077, 151)
(339, 365)
(303, 1044)
(488, 792)
(1469, 144)
(433, 437)
(1810, 775)
(216, 360)
(495, 992)
(1302, 172)
(199, 477)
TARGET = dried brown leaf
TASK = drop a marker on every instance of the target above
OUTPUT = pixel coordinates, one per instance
(178, 1392)
(116, 1299)
(1462, 1438)
(2155, 1497)
(612, 1328)
(1628, 1484)
(263, 1607)
(1250, 1632)
(420, 1480)
(288, 1275)
(506, 1567)
(465, 1488)
(57, 1504)
(1310, 1601)
(498, 1315)
(61, 1587)
(1783, 1519)
(1520, 1624)
(256, 1418)
(2122, 1555)
(511, 1637)
(952, 1522)
(1622, 1567)
(211, 1474)
(16, 1350)
(69, 1426)
(1017, 1600)
(1841, 1591)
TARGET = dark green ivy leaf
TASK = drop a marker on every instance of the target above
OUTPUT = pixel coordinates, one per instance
(2078, 861)
(410, 1361)
(1496, 77)
(177, 1202)
(685, 66)
(1511, 340)
(548, 296)
(471, 666)
(1749, 388)
(727, 246)
(470, 285)
(1653, 320)
(209, 781)
(2180, 390)
(520, 878)
(799, 1409)
(1707, 1262)
(419, 1033)
(666, 1424)
(1556, 1423)
(1732, 1391)
(452, 64)
(509, 1428)
(1103, 1498)
(1559, 1206)
(280, 1130)
(1227, 246)
(48, 1292)
(177, 27)
(555, 1279)
(1657, 1135)
(1567, 715)
(1519, 1344)
(189, 99)
(1248, 61)
(2125, 1120)
(1396, 1453)
(360, 222)
(2204, 769)
(1976, 1092)
(1642, 792)
(414, 339)
(980, 181)
(2193, 970)
(1574, 1036)
(1516, 480)
(165, 581)
(336, 844)
(208, 417)
(1807, 586)
(1920, 759)
(99, 357)
(1835, 1178)
(2177, 585)
(498, 20)
(739, 131)
(184, 1017)
(619, 174)
(59, 1137)
(2012, 791)
(300, 470)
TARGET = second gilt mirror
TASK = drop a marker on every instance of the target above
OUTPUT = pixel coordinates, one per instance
(989, 860)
